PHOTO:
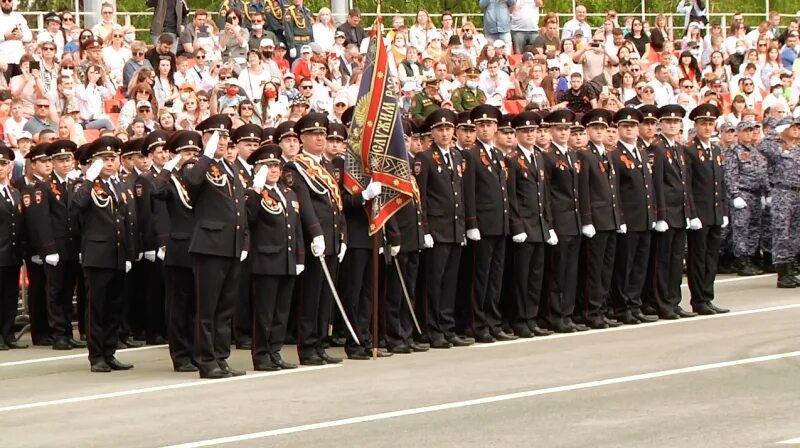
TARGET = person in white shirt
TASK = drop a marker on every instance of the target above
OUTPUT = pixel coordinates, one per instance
(15, 33)
(108, 24)
(115, 54)
(253, 78)
(578, 23)
(13, 125)
(494, 81)
(90, 94)
(525, 23)
(662, 87)
(52, 33)
(324, 29)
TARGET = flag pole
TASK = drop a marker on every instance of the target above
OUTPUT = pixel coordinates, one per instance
(375, 241)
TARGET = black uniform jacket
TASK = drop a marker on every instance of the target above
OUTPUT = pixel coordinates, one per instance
(276, 238)
(442, 194)
(707, 182)
(105, 242)
(563, 174)
(486, 198)
(172, 190)
(529, 196)
(11, 229)
(671, 182)
(598, 190)
(635, 188)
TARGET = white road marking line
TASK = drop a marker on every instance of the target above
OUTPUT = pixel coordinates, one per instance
(83, 354)
(637, 327)
(485, 400)
(125, 393)
(790, 442)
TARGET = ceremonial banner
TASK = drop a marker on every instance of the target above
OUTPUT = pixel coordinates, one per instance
(376, 150)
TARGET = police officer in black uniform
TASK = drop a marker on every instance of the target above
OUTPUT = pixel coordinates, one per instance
(179, 282)
(639, 209)
(11, 232)
(601, 217)
(106, 251)
(133, 314)
(273, 211)
(220, 241)
(711, 208)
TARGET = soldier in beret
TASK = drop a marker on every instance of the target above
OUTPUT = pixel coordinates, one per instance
(274, 215)
(106, 251)
(172, 190)
(711, 209)
(10, 250)
(219, 243)
(530, 221)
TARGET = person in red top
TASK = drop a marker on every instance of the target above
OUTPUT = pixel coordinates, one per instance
(280, 59)
(302, 67)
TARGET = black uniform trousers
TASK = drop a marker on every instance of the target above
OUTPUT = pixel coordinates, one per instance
(37, 302)
(243, 319)
(441, 265)
(489, 257)
(272, 298)
(665, 273)
(61, 280)
(80, 303)
(134, 309)
(104, 300)
(398, 324)
(181, 311)
(463, 316)
(596, 269)
(216, 282)
(630, 271)
(155, 307)
(527, 269)
(355, 287)
(562, 281)
(9, 299)
(703, 257)
(314, 309)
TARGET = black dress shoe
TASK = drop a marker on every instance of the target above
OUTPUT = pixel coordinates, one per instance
(100, 367)
(337, 341)
(649, 310)
(485, 338)
(459, 341)
(522, 331)
(539, 331)
(597, 324)
(13, 345)
(329, 359)
(503, 336)
(641, 317)
(116, 364)
(185, 368)
(266, 366)
(359, 355)
(3, 347)
(669, 316)
(61, 344)
(312, 360)
(276, 358)
(577, 327)
(244, 346)
(419, 347)
(683, 313)
(401, 349)
(612, 323)
(383, 353)
(441, 343)
(704, 310)
(215, 374)
(43, 342)
(76, 343)
(717, 309)
(561, 327)
(230, 370)
(132, 343)
(627, 318)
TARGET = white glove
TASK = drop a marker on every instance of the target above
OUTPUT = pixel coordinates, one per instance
(372, 191)
(688, 224)
(260, 179)
(128, 266)
(553, 240)
(162, 252)
(37, 259)
(94, 169)
(243, 256)
(520, 237)
(74, 174)
(725, 222)
(661, 226)
(318, 246)
(474, 234)
(769, 201)
(293, 53)
(394, 250)
(150, 255)
(80, 258)
(763, 202)
(739, 203)
(652, 226)
(588, 231)
(210, 149)
(300, 268)
(695, 224)
(139, 256)
(52, 259)
(169, 166)
(428, 241)
(342, 251)
(623, 229)
(464, 241)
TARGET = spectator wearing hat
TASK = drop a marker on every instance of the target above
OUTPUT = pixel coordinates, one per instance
(297, 27)
(525, 24)
(497, 19)
(302, 66)
(52, 33)
(354, 32)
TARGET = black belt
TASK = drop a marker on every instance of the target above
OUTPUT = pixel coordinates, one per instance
(795, 188)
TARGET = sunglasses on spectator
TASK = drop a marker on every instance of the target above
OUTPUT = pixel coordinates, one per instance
(67, 19)
(687, 86)
(224, 78)
(748, 84)
(138, 53)
(48, 48)
(200, 56)
(116, 35)
(247, 108)
(202, 100)
(634, 69)
(43, 105)
(306, 87)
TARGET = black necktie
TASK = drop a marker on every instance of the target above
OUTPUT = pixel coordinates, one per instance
(447, 160)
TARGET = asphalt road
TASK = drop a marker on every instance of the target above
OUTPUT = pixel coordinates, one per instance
(721, 381)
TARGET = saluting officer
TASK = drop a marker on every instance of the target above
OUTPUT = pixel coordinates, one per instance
(639, 209)
(246, 139)
(711, 208)
(310, 175)
(219, 244)
(672, 187)
(486, 220)
(530, 224)
(274, 215)
(179, 282)
(601, 217)
(106, 251)
(11, 232)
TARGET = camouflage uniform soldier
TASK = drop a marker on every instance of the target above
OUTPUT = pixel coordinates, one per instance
(468, 96)
(783, 154)
(727, 263)
(746, 177)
